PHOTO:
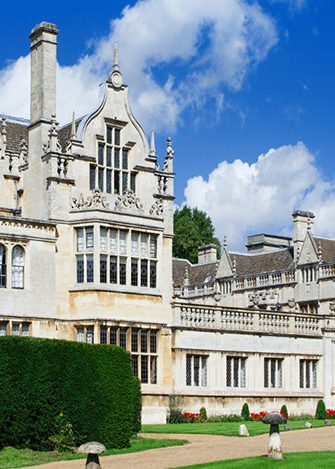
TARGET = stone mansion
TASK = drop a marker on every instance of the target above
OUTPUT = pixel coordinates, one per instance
(86, 229)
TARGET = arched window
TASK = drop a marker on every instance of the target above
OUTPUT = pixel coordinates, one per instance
(17, 267)
(3, 267)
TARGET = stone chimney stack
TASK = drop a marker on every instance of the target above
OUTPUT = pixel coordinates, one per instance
(43, 72)
(207, 253)
(302, 223)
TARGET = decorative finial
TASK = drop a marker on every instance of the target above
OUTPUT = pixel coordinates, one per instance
(225, 244)
(152, 144)
(309, 224)
(186, 277)
(116, 58)
(320, 253)
(234, 267)
(168, 162)
(73, 127)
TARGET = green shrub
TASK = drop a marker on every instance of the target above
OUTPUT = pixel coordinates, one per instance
(321, 413)
(203, 415)
(176, 416)
(225, 418)
(65, 438)
(137, 406)
(284, 411)
(92, 385)
(245, 413)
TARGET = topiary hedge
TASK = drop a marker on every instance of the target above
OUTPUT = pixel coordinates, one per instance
(92, 385)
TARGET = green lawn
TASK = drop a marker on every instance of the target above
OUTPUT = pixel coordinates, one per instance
(225, 428)
(12, 458)
(321, 460)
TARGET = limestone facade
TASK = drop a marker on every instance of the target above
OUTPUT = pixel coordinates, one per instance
(86, 228)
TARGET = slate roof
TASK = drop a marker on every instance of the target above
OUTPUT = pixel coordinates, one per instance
(17, 129)
(327, 246)
(197, 273)
(252, 264)
(64, 133)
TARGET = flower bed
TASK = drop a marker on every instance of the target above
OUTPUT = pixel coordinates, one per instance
(191, 417)
(330, 413)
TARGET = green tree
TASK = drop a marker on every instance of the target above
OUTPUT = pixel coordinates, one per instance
(192, 228)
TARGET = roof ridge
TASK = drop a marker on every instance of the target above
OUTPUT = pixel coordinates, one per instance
(16, 120)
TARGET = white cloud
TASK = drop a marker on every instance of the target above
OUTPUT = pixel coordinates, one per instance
(173, 54)
(243, 198)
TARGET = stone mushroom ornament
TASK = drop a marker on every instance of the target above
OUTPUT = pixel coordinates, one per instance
(92, 449)
(274, 419)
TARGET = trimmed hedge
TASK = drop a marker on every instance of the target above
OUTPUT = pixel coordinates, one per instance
(92, 385)
(321, 412)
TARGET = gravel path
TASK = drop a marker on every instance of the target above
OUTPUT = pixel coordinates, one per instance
(206, 448)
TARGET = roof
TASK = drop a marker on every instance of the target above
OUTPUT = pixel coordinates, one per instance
(327, 247)
(246, 264)
(197, 273)
(17, 129)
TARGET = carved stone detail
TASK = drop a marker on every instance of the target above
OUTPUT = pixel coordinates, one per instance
(53, 144)
(128, 200)
(92, 201)
(157, 208)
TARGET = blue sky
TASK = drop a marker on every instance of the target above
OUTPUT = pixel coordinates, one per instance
(226, 91)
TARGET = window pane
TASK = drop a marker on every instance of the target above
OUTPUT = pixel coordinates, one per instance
(153, 274)
(188, 370)
(133, 182)
(134, 340)
(80, 269)
(134, 243)
(243, 373)
(92, 176)
(153, 246)
(266, 372)
(90, 335)
(109, 181)
(144, 368)
(144, 245)
(89, 268)
(228, 371)
(109, 156)
(134, 364)
(153, 341)
(116, 182)
(123, 272)
(203, 371)
(153, 370)
(80, 334)
(25, 329)
(100, 154)
(113, 269)
(103, 239)
(103, 269)
(144, 341)
(113, 336)
(196, 370)
(122, 242)
(117, 137)
(116, 158)
(16, 328)
(144, 273)
(134, 272)
(3, 268)
(123, 337)
(101, 179)
(109, 137)
(17, 267)
(112, 241)
(80, 239)
(124, 180)
(103, 334)
(89, 238)
(302, 363)
(124, 159)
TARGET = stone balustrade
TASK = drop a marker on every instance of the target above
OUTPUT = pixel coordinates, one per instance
(327, 270)
(193, 290)
(242, 320)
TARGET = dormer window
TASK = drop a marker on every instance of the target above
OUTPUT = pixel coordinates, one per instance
(112, 172)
